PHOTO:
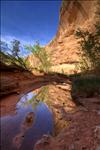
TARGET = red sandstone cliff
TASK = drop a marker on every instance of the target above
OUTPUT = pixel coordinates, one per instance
(73, 14)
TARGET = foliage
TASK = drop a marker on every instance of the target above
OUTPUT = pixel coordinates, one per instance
(41, 96)
(41, 54)
(16, 48)
(12, 57)
(90, 49)
(98, 11)
(85, 86)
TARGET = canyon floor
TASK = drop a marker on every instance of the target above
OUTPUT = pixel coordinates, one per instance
(77, 127)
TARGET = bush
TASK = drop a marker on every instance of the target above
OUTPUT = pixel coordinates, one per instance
(41, 54)
(86, 86)
(89, 49)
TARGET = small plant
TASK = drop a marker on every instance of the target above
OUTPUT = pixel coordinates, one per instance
(62, 71)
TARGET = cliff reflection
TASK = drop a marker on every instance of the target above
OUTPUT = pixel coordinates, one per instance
(58, 98)
(26, 124)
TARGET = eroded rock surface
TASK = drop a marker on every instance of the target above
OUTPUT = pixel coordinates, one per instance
(81, 132)
(74, 14)
(76, 127)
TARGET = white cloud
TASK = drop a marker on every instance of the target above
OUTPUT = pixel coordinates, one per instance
(24, 42)
(8, 40)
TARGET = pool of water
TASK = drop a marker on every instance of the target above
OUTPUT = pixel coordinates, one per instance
(27, 121)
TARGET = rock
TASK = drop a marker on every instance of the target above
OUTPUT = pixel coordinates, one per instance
(98, 147)
(73, 14)
(97, 132)
(98, 112)
(41, 144)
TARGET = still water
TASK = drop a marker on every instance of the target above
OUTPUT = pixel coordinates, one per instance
(25, 123)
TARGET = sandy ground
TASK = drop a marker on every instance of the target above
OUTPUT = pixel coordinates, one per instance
(81, 130)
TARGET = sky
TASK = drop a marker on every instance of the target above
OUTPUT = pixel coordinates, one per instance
(29, 21)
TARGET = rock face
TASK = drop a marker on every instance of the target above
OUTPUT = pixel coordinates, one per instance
(13, 78)
(74, 14)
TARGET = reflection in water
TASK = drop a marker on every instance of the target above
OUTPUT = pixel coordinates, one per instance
(23, 129)
(33, 118)
(41, 94)
(58, 98)
(26, 124)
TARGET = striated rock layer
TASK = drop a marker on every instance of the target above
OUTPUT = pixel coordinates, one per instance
(74, 14)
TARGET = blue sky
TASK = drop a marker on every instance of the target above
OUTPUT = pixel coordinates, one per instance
(29, 21)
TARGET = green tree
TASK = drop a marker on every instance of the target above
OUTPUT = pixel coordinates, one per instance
(12, 56)
(41, 54)
(15, 48)
(19, 59)
(89, 49)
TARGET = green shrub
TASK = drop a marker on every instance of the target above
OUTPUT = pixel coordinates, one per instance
(43, 57)
(86, 86)
(89, 49)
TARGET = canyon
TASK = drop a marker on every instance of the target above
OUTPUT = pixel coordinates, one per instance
(76, 118)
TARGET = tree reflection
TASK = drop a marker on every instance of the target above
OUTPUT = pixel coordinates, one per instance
(42, 95)
(56, 99)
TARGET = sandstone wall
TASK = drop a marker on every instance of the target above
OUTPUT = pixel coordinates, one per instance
(73, 14)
